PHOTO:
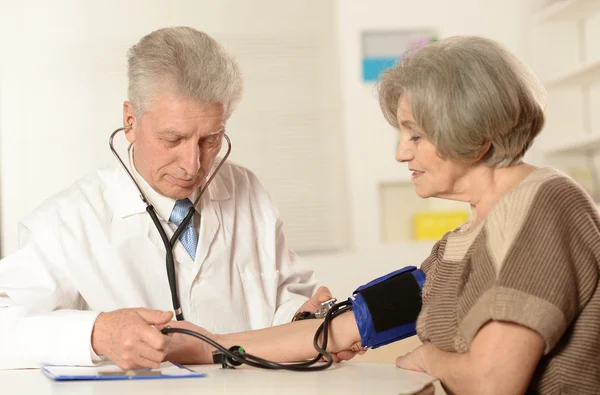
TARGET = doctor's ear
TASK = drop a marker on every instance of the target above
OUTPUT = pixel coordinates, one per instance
(129, 120)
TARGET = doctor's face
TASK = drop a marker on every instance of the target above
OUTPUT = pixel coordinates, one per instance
(176, 142)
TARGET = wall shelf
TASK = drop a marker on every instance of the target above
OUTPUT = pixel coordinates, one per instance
(584, 74)
(568, 10)
(584, 144)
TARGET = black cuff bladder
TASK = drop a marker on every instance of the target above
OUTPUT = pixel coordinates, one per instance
(386, 309)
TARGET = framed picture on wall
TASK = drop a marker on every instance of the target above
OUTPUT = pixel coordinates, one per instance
(381, 49)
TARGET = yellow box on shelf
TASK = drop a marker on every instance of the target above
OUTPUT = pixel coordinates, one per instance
(432, 225)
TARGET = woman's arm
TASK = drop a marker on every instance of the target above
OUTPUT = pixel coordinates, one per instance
(501, 360)
(283, 343)
(294, 341)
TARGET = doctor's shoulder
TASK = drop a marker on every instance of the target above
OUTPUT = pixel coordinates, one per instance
(240, 179)
(83, 195)
(248, 191)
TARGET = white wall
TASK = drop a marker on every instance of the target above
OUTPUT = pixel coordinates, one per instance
(32, 37)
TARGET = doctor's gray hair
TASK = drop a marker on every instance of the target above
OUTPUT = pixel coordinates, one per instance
(182, 61)
(470, 97)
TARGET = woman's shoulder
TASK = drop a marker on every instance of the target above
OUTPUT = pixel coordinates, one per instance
(549, 180)
(544, 192)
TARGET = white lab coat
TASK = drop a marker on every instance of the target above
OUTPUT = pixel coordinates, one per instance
(93, 248)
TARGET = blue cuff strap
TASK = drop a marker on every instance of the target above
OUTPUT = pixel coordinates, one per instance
(369, 336)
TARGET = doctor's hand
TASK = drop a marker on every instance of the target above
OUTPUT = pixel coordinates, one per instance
(127, 337)
(188, 350)
(313, 304)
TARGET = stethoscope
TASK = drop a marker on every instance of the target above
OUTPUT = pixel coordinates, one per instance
(169, 244)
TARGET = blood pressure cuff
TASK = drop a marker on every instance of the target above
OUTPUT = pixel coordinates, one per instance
(386, 309)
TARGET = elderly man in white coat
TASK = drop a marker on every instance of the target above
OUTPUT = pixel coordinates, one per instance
(89, 279)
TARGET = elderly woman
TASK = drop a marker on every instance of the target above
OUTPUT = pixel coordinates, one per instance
(511, 302)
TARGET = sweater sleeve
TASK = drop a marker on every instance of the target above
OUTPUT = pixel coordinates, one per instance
(547, 271)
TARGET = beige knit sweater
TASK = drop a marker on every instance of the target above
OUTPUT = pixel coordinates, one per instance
(533, 261)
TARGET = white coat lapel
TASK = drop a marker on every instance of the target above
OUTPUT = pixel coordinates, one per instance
(209, 225)
(127, 202)
(210, 221)
(124, 196)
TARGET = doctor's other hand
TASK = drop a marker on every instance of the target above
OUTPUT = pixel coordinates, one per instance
(313, 304)
(129, 339)
(344, 341)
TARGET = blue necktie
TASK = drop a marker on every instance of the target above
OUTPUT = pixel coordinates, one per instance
(189, 235)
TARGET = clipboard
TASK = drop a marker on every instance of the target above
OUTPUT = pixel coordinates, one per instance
(167, 370)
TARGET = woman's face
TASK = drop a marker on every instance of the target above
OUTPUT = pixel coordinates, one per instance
(432, 175)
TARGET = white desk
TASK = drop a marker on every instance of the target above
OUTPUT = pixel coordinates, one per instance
(344, 378)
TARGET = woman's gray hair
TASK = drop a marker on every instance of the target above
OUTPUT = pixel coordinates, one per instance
(470, 97)
(183, 61)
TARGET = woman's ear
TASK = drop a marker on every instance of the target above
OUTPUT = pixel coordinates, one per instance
(129, 120)
(485, 152)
